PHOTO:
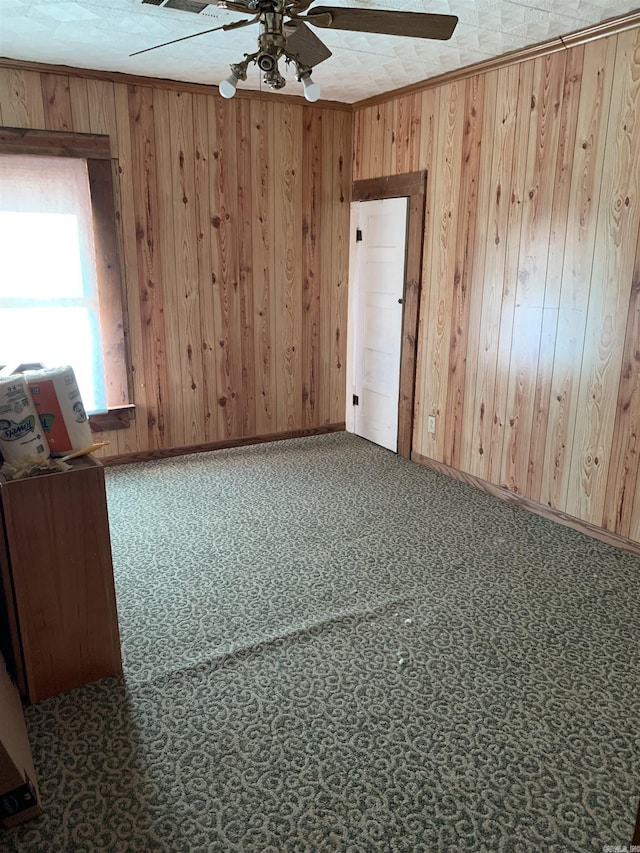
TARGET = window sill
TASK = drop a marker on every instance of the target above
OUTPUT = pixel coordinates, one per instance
(118, 417)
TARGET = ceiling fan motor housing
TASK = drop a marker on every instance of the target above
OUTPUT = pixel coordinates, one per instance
(271, 40)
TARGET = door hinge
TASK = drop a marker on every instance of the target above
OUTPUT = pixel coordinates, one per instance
(358, 235)
(356, 400)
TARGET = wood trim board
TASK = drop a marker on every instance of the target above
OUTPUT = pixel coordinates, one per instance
(602, 29)
(118, 417)
(164, 83)
(110, 283)
(390, 186)
(504, 494)
(610, 27)
(205, 447)
(19, 140)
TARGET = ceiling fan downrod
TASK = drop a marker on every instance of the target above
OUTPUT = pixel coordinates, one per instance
(271, 46)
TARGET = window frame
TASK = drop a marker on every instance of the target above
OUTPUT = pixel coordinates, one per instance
(96, 150)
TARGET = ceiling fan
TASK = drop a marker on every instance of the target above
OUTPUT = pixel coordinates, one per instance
(284, 34)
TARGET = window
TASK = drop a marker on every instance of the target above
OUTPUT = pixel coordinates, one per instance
(49, 309)
(60, 288)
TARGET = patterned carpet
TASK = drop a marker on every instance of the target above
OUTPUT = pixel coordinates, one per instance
(328, 648)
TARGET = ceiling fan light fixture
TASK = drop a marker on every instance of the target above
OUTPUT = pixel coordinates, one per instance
(238, 72)
(228, 87)
(284, 32)
(274, 79)
(311, 89)
(266, 62)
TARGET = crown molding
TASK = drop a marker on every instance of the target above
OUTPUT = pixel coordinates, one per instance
(610, 27)
(162, 83)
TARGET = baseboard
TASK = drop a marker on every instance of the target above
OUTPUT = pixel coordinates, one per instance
(532, 506)
(165, 453)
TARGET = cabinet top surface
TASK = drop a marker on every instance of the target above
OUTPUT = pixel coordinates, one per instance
(80, 463)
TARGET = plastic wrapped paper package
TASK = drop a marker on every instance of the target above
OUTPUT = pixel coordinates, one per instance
(58, 402)
(21, 434)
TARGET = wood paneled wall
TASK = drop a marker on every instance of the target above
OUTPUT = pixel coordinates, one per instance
(234, 216)
(529, 344)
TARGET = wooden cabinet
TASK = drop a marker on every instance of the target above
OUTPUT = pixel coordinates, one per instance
(57, 579)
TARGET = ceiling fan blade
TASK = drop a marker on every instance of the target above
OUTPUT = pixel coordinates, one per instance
(197, 7)
(232, 26)
(409, 24)
(237, 6)
(305, 46)
(296, 6)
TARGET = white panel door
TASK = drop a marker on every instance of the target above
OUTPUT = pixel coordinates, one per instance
(379, 272)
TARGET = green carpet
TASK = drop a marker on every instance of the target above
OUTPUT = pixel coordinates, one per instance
(328, 648)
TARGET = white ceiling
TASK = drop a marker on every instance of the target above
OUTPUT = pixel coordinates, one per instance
(100, 34)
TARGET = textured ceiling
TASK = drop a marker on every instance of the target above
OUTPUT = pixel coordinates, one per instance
(101, 35)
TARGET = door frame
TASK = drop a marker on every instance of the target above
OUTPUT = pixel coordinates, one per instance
(412, 185)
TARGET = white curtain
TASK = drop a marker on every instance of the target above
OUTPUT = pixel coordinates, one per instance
(49, 309)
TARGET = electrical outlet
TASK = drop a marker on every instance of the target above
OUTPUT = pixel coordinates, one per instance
(431, 423)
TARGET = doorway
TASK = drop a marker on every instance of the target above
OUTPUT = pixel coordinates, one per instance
(410, 189)
(377, 260)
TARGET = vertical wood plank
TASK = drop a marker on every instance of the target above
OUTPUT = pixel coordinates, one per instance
(489, 289)
(204, 228)
(508, 378)
(102, 117)
(536, 212)
(146, 203)
(617, 228)
(401, 135)
(288, 301)
(415, 126)
(542, 155)
(376, 142)
(624, 471)
(56, 100)
(182, 176)
(410, 318)
(429, 113)
(358, 143)
(313, 268)
(557, 241)
(429, 105)
(79, 98)
(463, 269)
(571, 97)
(442, 269)
(340, 262)
(385, 111)
(584, 197)
(224, 181)
(21, 103)
(137, 436)
(368, 138)
(171, 366)
(330, 153)
(262, 120)
(634, 532)
(245, 280)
